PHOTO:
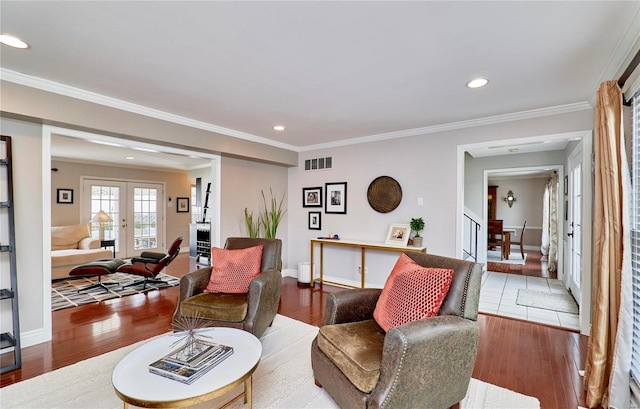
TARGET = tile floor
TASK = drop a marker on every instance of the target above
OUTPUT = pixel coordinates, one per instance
(499, 292)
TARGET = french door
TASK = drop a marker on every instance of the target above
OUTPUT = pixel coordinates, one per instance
(574, 224)
(135, 208)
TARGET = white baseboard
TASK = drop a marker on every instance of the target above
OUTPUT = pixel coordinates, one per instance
(289, 272)
(33, 337)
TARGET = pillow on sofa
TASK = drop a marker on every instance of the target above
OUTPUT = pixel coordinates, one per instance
(412, 292)
(233, 270)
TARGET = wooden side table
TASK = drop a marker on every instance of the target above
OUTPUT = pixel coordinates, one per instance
(362, 245)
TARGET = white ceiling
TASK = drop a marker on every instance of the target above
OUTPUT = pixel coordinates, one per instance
(328, 71)
(82, 150)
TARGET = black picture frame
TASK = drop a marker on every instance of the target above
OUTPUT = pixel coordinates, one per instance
(64, 196)
(182, 205)
(566, 185)
(315, 220)
(312, 196)
(335, 197)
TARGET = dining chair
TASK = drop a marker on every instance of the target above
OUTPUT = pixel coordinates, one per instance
(496, 236)
(521, 241)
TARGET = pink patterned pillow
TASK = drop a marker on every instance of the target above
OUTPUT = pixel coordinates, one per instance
(412, 292)
(233, 270)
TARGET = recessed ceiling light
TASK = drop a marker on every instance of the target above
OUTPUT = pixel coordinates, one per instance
(477, 83)
(279, 128)
(129, 157)
(106, 143)
(12, 41)
(513, 150)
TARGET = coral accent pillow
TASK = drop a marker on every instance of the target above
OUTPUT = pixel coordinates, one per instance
(412, 292)
(233, 270)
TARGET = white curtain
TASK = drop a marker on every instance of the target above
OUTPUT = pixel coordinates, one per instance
(544, 248)
(553, 223)
(549, 247)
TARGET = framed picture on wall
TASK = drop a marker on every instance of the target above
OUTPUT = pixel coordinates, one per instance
(65, 196)
(182, 204)
(312, 196)
(335, 198)
(315, 220)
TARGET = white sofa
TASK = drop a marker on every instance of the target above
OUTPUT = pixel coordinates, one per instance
(72, 246)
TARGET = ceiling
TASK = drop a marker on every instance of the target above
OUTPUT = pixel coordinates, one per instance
(329, 71)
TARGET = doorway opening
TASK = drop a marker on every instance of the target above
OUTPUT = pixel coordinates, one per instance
(168, 153)
(545, 152)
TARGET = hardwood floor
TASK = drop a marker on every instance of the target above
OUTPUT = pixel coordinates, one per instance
(528, 358)
(533, 266)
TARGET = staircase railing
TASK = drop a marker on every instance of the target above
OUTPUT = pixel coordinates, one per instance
(470, 237)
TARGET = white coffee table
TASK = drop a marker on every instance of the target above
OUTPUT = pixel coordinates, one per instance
(134, 383)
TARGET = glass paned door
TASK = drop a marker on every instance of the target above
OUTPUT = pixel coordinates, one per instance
(108, 196)
(575, 224)
(145, 217)
(136, 212)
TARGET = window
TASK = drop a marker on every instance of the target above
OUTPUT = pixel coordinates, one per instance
(635, 249)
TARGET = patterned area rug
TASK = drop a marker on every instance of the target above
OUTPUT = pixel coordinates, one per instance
(64, 293)
(547, 301)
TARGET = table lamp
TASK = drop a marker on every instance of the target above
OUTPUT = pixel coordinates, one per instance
(102, 218)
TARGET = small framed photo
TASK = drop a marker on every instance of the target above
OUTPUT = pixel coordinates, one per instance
(312, 196)
(182, 204)
(315, 220)
(65, 196)
(335, 198)
(566, 185)
(398, 234)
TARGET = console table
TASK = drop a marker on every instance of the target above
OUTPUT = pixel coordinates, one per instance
(362, 245)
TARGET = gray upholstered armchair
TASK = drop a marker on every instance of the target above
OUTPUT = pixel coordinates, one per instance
(422, 364)
(253, 311)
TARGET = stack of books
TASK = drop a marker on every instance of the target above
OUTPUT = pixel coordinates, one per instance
(188, 363)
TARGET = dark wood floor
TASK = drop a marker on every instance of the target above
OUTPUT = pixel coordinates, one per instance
(528, 358)
(533, 266)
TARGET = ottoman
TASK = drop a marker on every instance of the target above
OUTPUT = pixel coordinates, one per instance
(97, 268)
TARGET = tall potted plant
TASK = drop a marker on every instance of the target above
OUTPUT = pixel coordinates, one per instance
(253, 226)
(417, 225)
(272, 215)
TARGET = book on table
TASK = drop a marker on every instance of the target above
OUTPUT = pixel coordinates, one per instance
(188, 363)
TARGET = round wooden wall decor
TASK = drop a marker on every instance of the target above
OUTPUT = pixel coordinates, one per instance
(384, 194)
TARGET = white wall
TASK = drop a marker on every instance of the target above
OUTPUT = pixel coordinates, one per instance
(242, 182)
(26, 139)
(529, 193)
(425, 166)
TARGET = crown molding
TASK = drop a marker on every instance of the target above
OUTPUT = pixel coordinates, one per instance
(66, 90)
(490, 120)
(62, 89)
(618, 61)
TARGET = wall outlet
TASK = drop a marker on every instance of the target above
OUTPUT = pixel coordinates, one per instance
(366, 270)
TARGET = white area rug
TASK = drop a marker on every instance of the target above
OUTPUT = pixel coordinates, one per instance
(514, 257)
(547, 301)
(283, 380)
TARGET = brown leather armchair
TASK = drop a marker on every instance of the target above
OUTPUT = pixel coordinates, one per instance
(425, 363)
(253, 311)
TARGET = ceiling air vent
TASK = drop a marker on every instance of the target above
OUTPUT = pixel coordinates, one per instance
(317, 164)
